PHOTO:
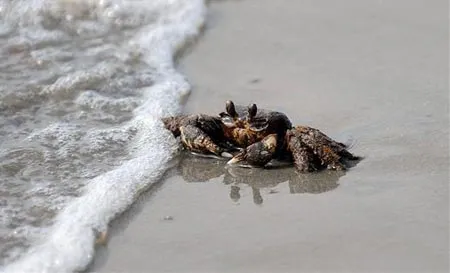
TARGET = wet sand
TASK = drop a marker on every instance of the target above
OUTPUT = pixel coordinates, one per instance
(373, 73)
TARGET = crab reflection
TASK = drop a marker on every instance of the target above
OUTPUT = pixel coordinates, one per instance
(199, 169)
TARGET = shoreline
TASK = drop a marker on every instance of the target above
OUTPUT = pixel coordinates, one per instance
(370, 82)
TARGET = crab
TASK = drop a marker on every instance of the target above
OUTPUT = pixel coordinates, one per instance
(254, 137)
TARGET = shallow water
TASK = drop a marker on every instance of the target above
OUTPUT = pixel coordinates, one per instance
(83, 84)
(376, 71)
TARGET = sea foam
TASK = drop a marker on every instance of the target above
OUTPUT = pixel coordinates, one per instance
(68, 244)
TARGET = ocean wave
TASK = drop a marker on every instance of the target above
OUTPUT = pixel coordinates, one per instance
(67, 244)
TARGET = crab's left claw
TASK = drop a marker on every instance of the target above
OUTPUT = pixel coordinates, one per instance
(257, 154)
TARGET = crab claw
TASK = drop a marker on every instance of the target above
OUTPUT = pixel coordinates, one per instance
(198, 141)
(257, 154)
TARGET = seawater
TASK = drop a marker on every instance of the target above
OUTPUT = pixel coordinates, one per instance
(83, 84)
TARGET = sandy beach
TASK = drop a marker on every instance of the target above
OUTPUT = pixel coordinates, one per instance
(371, 73)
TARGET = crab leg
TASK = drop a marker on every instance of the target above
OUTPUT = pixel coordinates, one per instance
(303, 156)
(329, 152)
(198, 141)
(323, 140)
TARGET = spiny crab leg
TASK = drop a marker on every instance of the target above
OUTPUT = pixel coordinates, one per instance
(302, 155)
(310, 147)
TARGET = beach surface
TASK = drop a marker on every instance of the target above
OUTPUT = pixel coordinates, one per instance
(370, 73)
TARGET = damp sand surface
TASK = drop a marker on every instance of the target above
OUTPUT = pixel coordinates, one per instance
(374, 74)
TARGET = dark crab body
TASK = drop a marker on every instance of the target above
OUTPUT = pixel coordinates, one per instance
(262, 135)
(248, 125)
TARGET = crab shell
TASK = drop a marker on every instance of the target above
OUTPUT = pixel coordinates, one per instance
(249, 125)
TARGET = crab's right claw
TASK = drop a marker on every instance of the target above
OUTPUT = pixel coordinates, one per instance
(258, 154)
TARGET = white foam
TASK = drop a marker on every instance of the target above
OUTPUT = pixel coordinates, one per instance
(79, 79)
(92, 99)
(69, 245)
